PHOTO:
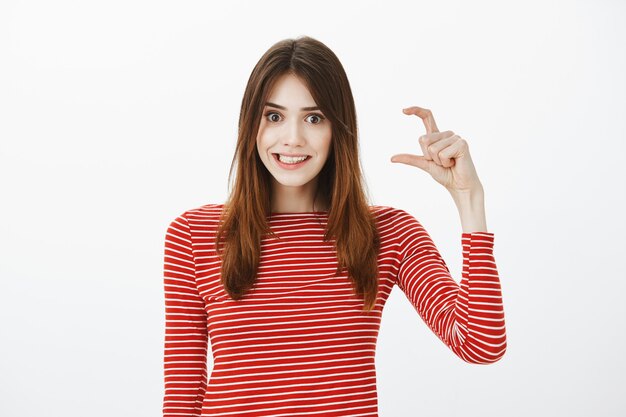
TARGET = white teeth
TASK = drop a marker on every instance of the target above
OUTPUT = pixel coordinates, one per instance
(291, 159)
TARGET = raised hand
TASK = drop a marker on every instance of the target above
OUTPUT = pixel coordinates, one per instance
(446, 156)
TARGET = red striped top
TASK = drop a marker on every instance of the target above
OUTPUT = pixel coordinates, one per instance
(298, 344)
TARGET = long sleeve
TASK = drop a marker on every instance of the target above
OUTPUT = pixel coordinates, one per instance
(468, 317)
(185, 326)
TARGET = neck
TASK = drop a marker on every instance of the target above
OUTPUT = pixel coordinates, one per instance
(286, 199)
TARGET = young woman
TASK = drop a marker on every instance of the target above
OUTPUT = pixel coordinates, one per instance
(289, 277)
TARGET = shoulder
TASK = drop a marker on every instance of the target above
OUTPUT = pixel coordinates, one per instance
(393, 222)
(397, 227)
(404, 231)
(208, 210)
(387, 214)
(201, 217)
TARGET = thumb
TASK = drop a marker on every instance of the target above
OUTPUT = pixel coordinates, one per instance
(414, 160)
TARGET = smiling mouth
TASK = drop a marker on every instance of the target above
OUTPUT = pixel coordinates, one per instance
(294, 164)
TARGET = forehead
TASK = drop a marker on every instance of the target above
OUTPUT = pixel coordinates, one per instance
(291, 92)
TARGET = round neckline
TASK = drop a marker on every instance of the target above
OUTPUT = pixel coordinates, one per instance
(291, 213)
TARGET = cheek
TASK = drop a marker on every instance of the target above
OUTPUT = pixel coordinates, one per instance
(328, 145)
(323, 141)
(261, 144)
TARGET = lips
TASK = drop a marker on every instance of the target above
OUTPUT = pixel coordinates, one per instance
(288, 165)
(288, 154)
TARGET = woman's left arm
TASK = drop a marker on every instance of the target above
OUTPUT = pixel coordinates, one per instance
(468, 317)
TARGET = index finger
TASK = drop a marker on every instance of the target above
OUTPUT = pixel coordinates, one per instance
(426, 116)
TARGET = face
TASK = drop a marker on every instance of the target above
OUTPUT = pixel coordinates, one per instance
(288, 129)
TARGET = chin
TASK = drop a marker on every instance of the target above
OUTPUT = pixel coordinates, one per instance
(293, 182)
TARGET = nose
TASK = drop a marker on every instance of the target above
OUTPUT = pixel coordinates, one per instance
(294, 134)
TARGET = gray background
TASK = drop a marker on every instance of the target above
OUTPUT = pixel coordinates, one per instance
(117, 116)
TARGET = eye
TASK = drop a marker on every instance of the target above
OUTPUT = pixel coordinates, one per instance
(271, 113)
(318, 116)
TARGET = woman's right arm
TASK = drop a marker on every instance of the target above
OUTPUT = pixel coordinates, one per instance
(184, 364)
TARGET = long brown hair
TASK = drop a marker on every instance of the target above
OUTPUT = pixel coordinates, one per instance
(351, 223)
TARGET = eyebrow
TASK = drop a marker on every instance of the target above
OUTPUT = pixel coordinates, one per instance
(278, 106)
